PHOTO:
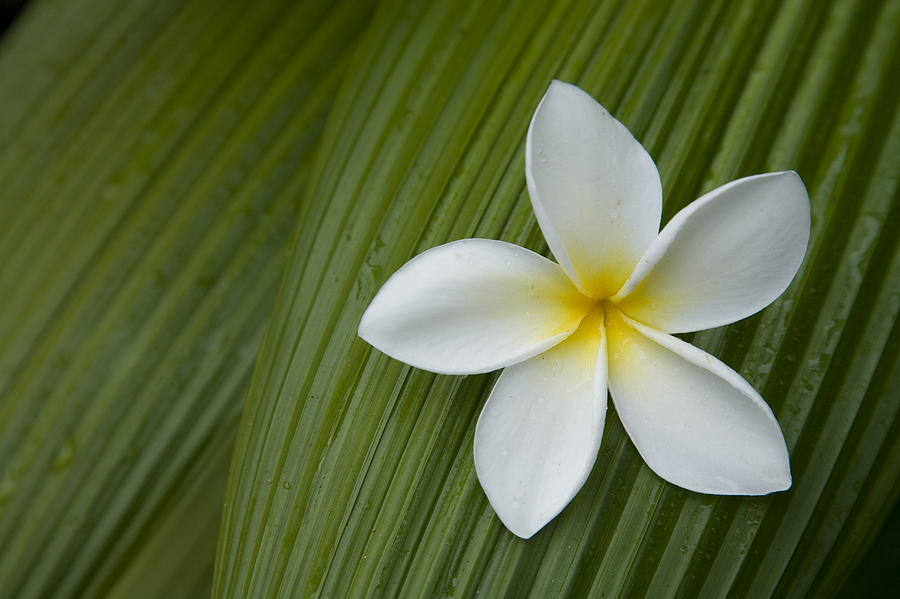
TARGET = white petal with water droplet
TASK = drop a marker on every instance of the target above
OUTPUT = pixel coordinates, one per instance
(724, 257)
(539, 433)
(696, 422)
(595, 190)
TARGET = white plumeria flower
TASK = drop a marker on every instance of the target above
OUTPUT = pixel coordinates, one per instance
(602, 319)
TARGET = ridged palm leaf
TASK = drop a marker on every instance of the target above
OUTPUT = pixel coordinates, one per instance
(156, 158)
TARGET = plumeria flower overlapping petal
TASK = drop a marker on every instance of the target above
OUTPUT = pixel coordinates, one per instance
(602, 318)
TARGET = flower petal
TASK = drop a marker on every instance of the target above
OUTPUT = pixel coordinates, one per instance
(539, 433)
(724, 257)
(471, 306)
(697, 423)
(595, 190)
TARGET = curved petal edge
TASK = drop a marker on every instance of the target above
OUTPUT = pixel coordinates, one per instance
(595, 190)
(473, 306)
(539, 433)
(723, 257)
(695, 421)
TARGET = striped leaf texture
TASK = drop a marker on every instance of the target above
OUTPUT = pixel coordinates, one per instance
(152, 155)
(198, 199)
(353, 473)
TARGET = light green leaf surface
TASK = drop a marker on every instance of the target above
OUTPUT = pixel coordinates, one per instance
(353, 473)
(158, 161)
(150, 177)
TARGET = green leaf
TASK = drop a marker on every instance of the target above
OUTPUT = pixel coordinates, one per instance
(150, 170)
(353, 473)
